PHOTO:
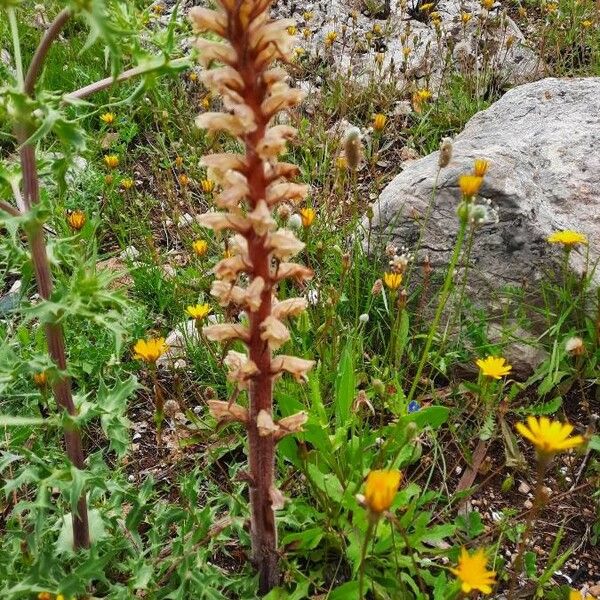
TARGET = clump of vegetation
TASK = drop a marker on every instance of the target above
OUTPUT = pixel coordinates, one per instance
(156, 441)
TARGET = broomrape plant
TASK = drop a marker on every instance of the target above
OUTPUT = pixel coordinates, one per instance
(254, 183)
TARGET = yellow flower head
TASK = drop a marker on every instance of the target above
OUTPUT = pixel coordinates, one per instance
(127, 183)
(111, 161)
(207, 185)
(150, 350)
(426, 7)
(109, 179)
(76, 219)
(549, 436)
(200, 247)
(568, 238)
(465, 17)
(469, 185)
(308, 216)
(472, 572)
(205, 103)
(577, 595)
(306, 32)
(419, 98)
(481, 167)
(341, 162)
(495, 367)
(292, 30)
(586, 23)
(379, 121)
(406, 51)
(199, 311)
(108, 118)
(178, 162)
(44, 596)
(307, 15)
(380, 489)
(392, 280)
(488, 4)
(40, 379)
(377, 29)
(184, 180)
(330, 38)
(193, 76)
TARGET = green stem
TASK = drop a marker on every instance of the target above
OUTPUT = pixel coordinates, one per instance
(363, 555)
(14, 29)
(445, 293)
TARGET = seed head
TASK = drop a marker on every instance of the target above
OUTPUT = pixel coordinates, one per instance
(445, 152)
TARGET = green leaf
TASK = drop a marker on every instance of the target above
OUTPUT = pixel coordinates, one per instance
(432, 416)
(10, 421)
(347, 591)
(345, 385)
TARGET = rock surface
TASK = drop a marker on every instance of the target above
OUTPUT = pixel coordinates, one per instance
(489, 42)
(541, 141)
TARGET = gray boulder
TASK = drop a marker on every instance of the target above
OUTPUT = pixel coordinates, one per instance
(541, 140)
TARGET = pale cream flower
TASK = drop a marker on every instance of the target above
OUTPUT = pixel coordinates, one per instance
(226, 412)
(274, 332)
(230, 268)
(290, 307)
(286, 192)
(291, 424)
(284, 244)
(240, 367)
(217, 221)
(265, 424)
(274, 142)
(216, 121)
(215, 51)
(295, 271)
(252, 294)
(204, 19)
(295, 366)
(226, 331)
(261, 219)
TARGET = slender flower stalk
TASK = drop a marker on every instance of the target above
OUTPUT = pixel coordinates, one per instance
(253, 184)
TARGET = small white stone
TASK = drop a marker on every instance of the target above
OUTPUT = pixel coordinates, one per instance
(524, 488)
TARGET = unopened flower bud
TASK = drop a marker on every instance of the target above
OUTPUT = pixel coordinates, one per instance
(445, 153)
(364, 318)
(575, 346)
(377, 287)
(378, 386)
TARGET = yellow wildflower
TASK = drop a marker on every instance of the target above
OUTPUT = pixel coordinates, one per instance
(108, 179)
(568, 238)
(577, 595)
(392, 280)
(549, 436)
(522, 11)
(198, 311)
(205, 103)
(76, 219)
(111, 161)
(193, 76)
(379, 121)
(200, 247)
(469, 184)
(207, 185)
(307, 15)
(487, 4)
(426, 7)
(330, 38)
(380, 489)
(292, 30)
(306, 32)
(308, 216)
(377, 29)
(406, 52)
(108, 118)
(481, 167)
(551, 7)
(178, 162)
(127, 183)
(150, 350)
(341, 162)
(586, 23)
(472, 572)
(465, 17)
(419, 98)
(495, 367)
(184, 180)
(40, 379)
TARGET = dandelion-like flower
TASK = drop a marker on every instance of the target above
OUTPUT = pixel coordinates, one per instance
(150, 350)
(198, 311)
(127, 183)
(111, 161)
(381, 488)
(481, 167)
(40, 379)
(379, 121)
(200, 247)
(392, 280)
(470, 185)
(108, 118)
(330, 38)
(76, 219)
(308, 216)
(472, 572)
(549, 437)
(494, 367)
(420, 97)
(568, 238)
(207, 185)
(184, 180)
(252, 187)
(465, 17)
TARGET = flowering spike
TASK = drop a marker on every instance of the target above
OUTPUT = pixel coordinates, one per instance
(251, 185)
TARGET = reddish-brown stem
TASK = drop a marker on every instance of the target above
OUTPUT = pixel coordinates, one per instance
(261, 449)
(61, 386)
(8, 208)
